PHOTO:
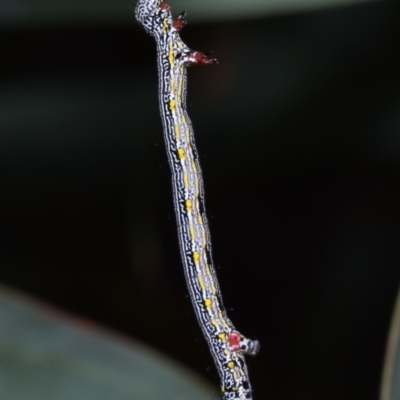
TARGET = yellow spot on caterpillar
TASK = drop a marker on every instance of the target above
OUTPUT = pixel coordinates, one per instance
(172, 105)
(191, 229)
(231, 364)
(222, 336)
(185, 180)
(181, 153)
(165, 26)
(226, 352)
(196, 256)
(188, 204)
(222, 389)
(214, 322)
(201, 283)
(171, 57)
(208, 302)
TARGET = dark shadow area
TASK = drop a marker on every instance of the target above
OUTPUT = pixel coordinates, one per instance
(298, 129)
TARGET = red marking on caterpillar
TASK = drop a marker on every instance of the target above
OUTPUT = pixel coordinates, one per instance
(234, 340)
(179, 22)
(164, 5)
(200, 58)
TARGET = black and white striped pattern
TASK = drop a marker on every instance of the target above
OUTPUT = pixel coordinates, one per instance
(227, 346)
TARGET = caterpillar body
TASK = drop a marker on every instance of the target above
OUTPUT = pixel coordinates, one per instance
(226, 344)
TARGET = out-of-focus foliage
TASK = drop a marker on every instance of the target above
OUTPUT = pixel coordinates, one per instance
(390, 389)
(46, 357)
(34, 12)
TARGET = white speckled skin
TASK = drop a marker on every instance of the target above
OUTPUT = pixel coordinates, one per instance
(173, 58)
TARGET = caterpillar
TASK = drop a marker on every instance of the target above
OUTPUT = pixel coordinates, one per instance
(226, 344)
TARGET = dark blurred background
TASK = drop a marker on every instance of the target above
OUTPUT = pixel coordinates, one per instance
(298, 130)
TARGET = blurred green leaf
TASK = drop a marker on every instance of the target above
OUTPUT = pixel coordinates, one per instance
(42, 12)
(390, 388)
(44, 356)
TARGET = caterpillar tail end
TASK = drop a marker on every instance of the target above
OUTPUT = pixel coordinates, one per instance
(253, 348)
(239, 343)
